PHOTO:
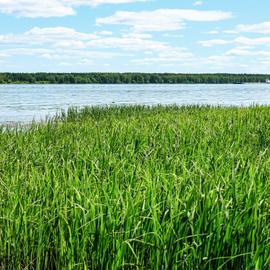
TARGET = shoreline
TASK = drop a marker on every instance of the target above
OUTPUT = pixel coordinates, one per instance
(59, 117)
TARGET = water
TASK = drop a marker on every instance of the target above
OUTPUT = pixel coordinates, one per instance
(23, 103)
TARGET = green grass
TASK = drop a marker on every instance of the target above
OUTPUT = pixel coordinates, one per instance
(137, 188)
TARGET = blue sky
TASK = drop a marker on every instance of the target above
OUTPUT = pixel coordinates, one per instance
(135, 35)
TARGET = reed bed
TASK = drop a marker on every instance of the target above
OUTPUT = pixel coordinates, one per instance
(137, 188)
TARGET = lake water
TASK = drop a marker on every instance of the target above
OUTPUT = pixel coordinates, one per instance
(23, 103)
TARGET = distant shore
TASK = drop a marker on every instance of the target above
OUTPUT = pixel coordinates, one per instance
(131, 78)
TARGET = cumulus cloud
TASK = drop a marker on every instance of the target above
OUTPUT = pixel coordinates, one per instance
(69, 38)
(239, 51)
(176, 55)
(36, 8)
(62, 43)
(50, 8)
(198, 3)
(253, 41)
(47, 35)
(265, 41)
(244, 49)
(260, 28)
(162, 19)
(98, 2)
(214, 42)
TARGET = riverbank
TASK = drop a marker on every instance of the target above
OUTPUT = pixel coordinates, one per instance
(137, 187)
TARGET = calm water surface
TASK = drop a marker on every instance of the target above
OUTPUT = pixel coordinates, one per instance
(24, 103)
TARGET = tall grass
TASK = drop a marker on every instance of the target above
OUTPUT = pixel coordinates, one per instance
(137, 188)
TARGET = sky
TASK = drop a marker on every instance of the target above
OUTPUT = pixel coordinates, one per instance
(181, 36)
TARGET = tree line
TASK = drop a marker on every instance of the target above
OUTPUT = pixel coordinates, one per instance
(129, 78)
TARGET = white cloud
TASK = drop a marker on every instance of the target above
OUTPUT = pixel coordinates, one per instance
(170, 35)
(162, 19)
(128, 43)
(104, 33)
(55, 33)
(98, 2)
(253, 41)
(137, 35)
(52, 43)
(63, 44)
(50, 8)
(64, 37)
(62, 48)
(61, 54)
(3, 55)
(47, 35)
(239, 51)
(265, 41)
(261, 28)
(219, 59)
(169, 56)
(198, 3)
(36, 8)
(26, 51)
(265, 62)
(214, 42)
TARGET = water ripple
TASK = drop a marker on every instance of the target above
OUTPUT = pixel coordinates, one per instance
(27, 102)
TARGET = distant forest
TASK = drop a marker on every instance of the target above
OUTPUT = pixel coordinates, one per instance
(128, 78)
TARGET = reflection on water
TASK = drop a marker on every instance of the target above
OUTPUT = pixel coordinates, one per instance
(23, 103)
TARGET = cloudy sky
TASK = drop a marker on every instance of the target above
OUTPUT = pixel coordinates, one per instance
(135, 35)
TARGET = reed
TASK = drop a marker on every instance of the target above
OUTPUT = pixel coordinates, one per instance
(137, 188)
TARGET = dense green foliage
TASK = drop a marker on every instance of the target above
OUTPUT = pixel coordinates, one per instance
(137, 188)
(128, 78)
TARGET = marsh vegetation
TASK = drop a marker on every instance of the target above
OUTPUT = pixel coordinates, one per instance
(137, 188)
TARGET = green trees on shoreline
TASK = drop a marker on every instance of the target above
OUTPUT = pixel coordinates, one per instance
(129, 78)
